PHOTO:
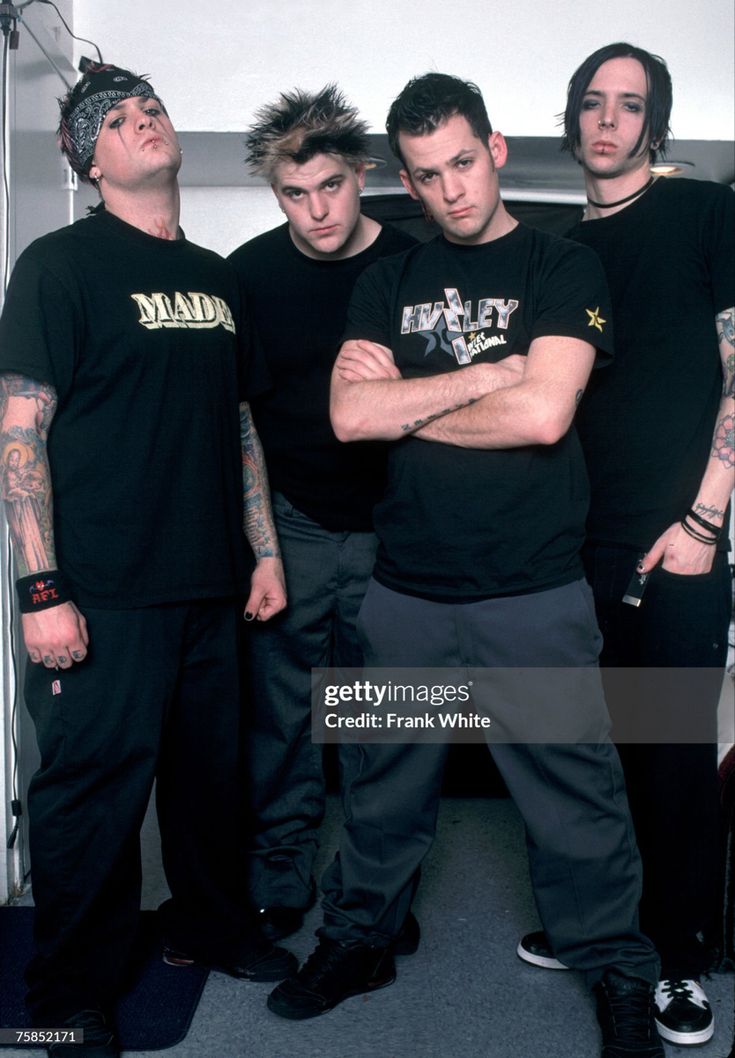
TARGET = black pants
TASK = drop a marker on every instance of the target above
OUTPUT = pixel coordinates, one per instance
(327, 574)
(156, 698)
(672, 788)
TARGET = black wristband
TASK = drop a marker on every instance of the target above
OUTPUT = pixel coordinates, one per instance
(709, 540)
(716, 530)
(41, 591)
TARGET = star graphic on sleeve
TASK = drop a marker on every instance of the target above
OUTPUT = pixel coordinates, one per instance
(596, 319)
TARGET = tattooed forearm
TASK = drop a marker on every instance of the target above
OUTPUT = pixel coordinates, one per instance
(708, 510)
(410, 427)
(26, 410)
(257, 516)
(723, 440)
(723, 443)
(725, 324)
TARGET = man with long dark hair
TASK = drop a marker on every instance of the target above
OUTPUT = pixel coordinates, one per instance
(658, 434)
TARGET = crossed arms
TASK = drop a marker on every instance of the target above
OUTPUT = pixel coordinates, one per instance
(518, 401)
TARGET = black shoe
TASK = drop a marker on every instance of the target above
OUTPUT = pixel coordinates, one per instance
(534, 948)
(407, 941)
(683, 1014)
(625, 1011)
(262, 962)
(278, 922)
(99, 1039)
(334, 971)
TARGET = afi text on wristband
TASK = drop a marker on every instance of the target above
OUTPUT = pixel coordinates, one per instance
(41, 591)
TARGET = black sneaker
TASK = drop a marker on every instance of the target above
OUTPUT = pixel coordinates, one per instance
(99, 1039)
(534, 948)
(683, 1014)
(262, 962)
(625, 1011)
(334, 971)
(408, 940)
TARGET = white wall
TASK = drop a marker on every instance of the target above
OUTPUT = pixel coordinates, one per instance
(224, 217)
(215, 64)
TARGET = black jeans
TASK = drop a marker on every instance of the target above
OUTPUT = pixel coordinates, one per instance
(326, 576)
(672, 787)
(157, 697)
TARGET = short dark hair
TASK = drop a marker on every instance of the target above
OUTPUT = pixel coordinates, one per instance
(428, 101)
(658, 100)
(300, 125)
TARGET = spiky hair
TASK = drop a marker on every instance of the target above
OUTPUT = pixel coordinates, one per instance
(302, 124)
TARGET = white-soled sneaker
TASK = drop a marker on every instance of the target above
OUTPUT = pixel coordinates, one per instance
(683, 1014)
(534, 948)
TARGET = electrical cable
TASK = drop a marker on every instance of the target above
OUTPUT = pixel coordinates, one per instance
(16, 803)
(4, 121)
(66, 26)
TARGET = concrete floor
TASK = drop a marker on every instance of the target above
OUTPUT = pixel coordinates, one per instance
(464, 994)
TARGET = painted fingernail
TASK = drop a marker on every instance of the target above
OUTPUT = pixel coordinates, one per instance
(249, 616)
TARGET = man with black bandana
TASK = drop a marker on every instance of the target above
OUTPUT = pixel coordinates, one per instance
(120, 409)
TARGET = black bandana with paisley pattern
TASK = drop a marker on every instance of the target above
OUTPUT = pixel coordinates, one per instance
(99, 90)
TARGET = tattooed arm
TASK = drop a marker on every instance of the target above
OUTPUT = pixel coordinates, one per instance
(267, 584)
(536, 405)
(369, 399)
(677, 551)
(57, 636)
(518, 401)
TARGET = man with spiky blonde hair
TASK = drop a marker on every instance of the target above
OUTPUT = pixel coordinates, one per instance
(300, 125)
(296, 282)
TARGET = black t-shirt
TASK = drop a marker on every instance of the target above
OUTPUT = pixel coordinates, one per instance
(297, 307)
(136, 335)
(460, 524)
(646, 423)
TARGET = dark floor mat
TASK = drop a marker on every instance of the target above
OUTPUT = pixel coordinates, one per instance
(154, 1014)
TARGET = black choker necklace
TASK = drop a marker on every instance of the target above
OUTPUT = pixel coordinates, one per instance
(622, 201)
